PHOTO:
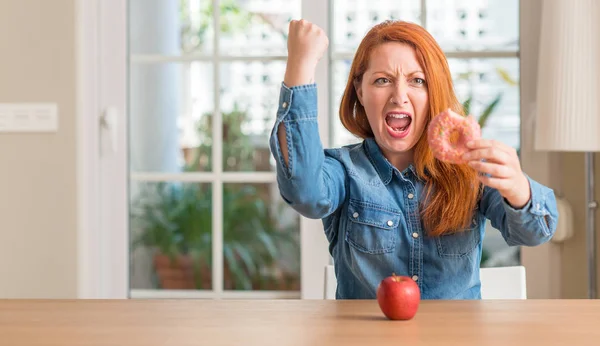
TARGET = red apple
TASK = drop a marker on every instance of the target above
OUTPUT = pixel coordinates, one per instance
(398, 297)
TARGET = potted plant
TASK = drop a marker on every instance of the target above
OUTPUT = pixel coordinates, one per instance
(175, 222)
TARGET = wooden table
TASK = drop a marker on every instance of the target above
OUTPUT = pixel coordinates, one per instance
(296, 322)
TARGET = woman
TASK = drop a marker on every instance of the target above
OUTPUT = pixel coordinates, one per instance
(387, 204)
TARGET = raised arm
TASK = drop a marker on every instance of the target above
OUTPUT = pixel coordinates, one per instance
(312, 182)
(307, 43)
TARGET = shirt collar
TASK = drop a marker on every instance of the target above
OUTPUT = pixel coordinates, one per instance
(384, 168)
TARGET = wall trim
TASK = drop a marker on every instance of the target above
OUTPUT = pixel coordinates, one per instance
(102, 239)
(86, 29)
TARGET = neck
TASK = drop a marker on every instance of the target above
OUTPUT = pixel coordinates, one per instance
(400, 160)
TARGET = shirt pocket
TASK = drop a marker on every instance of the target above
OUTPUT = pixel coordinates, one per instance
(371, 228)
(459, 244)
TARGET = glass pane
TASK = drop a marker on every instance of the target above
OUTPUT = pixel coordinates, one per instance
(474, 24)
(493, 85)
(171, 227)
(256, 27)
(249, 96)
(261, 239)
(170, 105)
(353, 18)
(341, 136)
(175, 27)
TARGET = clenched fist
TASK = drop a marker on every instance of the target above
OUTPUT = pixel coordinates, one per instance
(307, 43)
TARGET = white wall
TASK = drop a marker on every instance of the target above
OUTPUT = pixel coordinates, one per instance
(553, 270)
(38, 186)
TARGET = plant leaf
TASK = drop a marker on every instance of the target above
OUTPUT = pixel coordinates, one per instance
(246, 257)
(467, 105)
(268, 243)
(488, 110)
(240, 278)
(506, 76)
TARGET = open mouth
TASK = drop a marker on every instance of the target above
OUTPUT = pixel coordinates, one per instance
(398, 122)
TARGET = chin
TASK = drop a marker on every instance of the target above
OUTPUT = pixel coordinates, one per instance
(395, 145)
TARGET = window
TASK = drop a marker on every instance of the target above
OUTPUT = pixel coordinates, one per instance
(206, 216)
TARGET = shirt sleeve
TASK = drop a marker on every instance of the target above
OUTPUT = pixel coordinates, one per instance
(313, 183)
(534, 224)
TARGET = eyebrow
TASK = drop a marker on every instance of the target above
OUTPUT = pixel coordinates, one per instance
(388, 72)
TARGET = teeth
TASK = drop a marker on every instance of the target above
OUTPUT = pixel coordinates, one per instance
(398, 116)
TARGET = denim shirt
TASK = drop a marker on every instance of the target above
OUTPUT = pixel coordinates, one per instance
(370, 211)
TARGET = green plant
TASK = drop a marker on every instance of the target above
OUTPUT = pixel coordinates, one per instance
(488, 110)
(175, 219)
(252, 239)
(233, 18)
(491, 107)
(238, 151)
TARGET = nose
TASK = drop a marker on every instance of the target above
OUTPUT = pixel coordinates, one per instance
(400, 93)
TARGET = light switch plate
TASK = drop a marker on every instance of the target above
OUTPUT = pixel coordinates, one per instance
(28, 117)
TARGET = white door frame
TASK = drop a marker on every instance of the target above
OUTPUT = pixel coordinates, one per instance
(102, 245)
(314, 253)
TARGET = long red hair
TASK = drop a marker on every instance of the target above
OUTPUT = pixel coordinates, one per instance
(452, 191)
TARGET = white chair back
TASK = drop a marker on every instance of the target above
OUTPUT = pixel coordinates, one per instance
(503, 283)
(330, 282)
(496, 283)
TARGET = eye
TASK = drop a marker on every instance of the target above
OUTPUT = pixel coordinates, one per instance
(381, 81)
(419, 81)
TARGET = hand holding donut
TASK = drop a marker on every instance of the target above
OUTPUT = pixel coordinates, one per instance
(457, 139)
(502, 164)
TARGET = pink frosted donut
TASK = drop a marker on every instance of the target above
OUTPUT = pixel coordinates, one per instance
(449, 133)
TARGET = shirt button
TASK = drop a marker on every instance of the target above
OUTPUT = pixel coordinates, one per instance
(415, 235)
(415, 278)
(390, 223)
(355, 215)
(284, 105)
(410, 196)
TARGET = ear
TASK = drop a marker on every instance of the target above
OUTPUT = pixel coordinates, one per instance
(358, 88)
